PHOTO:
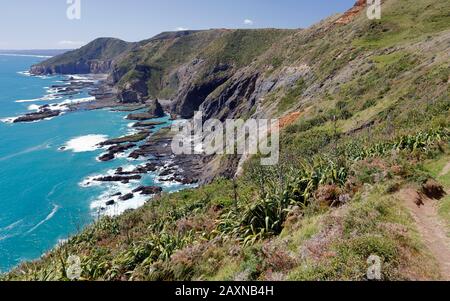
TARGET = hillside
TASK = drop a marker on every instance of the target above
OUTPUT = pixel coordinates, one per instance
(96, 57)
(365, 113)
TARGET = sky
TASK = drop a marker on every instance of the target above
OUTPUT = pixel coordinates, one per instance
(44, 24)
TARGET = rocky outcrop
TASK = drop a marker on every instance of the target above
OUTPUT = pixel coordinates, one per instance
(196, 82)
(188, 102)
(114, 150)
(136, 88)
(118, 178)
(147, 124)
(31, 117)
(148, 190)
(234, 97)
(156, 109)
(79, 67)
(96, 57)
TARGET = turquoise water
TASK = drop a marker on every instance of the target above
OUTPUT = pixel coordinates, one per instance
(41, 199)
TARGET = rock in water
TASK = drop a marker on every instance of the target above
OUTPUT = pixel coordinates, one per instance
(148, 190)
(156, 109)
(31, 117)
(127, 197)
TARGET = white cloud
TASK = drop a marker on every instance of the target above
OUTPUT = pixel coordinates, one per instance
(71, 43)
(181, 28)
(248, 22)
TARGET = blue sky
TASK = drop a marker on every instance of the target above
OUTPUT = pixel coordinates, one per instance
(43, 24)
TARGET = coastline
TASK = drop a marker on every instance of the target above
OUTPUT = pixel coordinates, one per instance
(148, 174)
(147, 142)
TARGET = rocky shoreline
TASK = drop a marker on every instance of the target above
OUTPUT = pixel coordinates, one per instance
(157, 159)
(101, 96)
(42, 114)
(152, 148)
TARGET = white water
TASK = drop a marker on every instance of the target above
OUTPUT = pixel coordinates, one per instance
(86, 143)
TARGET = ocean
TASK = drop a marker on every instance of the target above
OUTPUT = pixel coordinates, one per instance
(45, 166)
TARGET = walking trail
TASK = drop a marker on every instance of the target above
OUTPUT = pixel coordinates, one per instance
(433, 230)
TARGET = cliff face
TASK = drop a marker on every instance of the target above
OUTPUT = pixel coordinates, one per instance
(80, 67)
(96, 57)
(356, 102)
(260, 73)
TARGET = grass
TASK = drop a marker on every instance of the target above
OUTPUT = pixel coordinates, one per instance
(404, 21)
(291, 97)
(371, 225)
(289, 222)
(278, 228)
(105, 49)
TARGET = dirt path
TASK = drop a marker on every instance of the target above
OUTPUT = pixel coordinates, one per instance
(430, 227)
(445, 171)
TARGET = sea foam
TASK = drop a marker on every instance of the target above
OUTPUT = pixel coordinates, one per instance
(33, 107)
(8, 119)
(86, 143)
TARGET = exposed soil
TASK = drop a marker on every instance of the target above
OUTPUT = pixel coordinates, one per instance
(430, 226)
(289, 119)
(351, 14)
(446, 170)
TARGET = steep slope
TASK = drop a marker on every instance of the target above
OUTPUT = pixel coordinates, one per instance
(243, 73)
(95, 57)
(188, 68)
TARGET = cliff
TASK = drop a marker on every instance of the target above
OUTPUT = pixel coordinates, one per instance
(364, 106)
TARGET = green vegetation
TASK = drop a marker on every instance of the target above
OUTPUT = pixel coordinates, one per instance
(292, 97)
(203, 234)
(374, 103)
(241, 47)
(404, 21)
(130, 139)
(105, 49)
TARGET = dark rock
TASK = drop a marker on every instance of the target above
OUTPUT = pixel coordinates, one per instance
(156, 109)
(127, 197)
(171, 179)
(148, 190)
(110, 203)
(118, 178)
(121, 148)
(147, 124)
(188, 181)
(37, 116)
(190, 100)
(433, 189)
(140, 116)
(107, 157)
(116, 149)
(128, 96)
(166, 173)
